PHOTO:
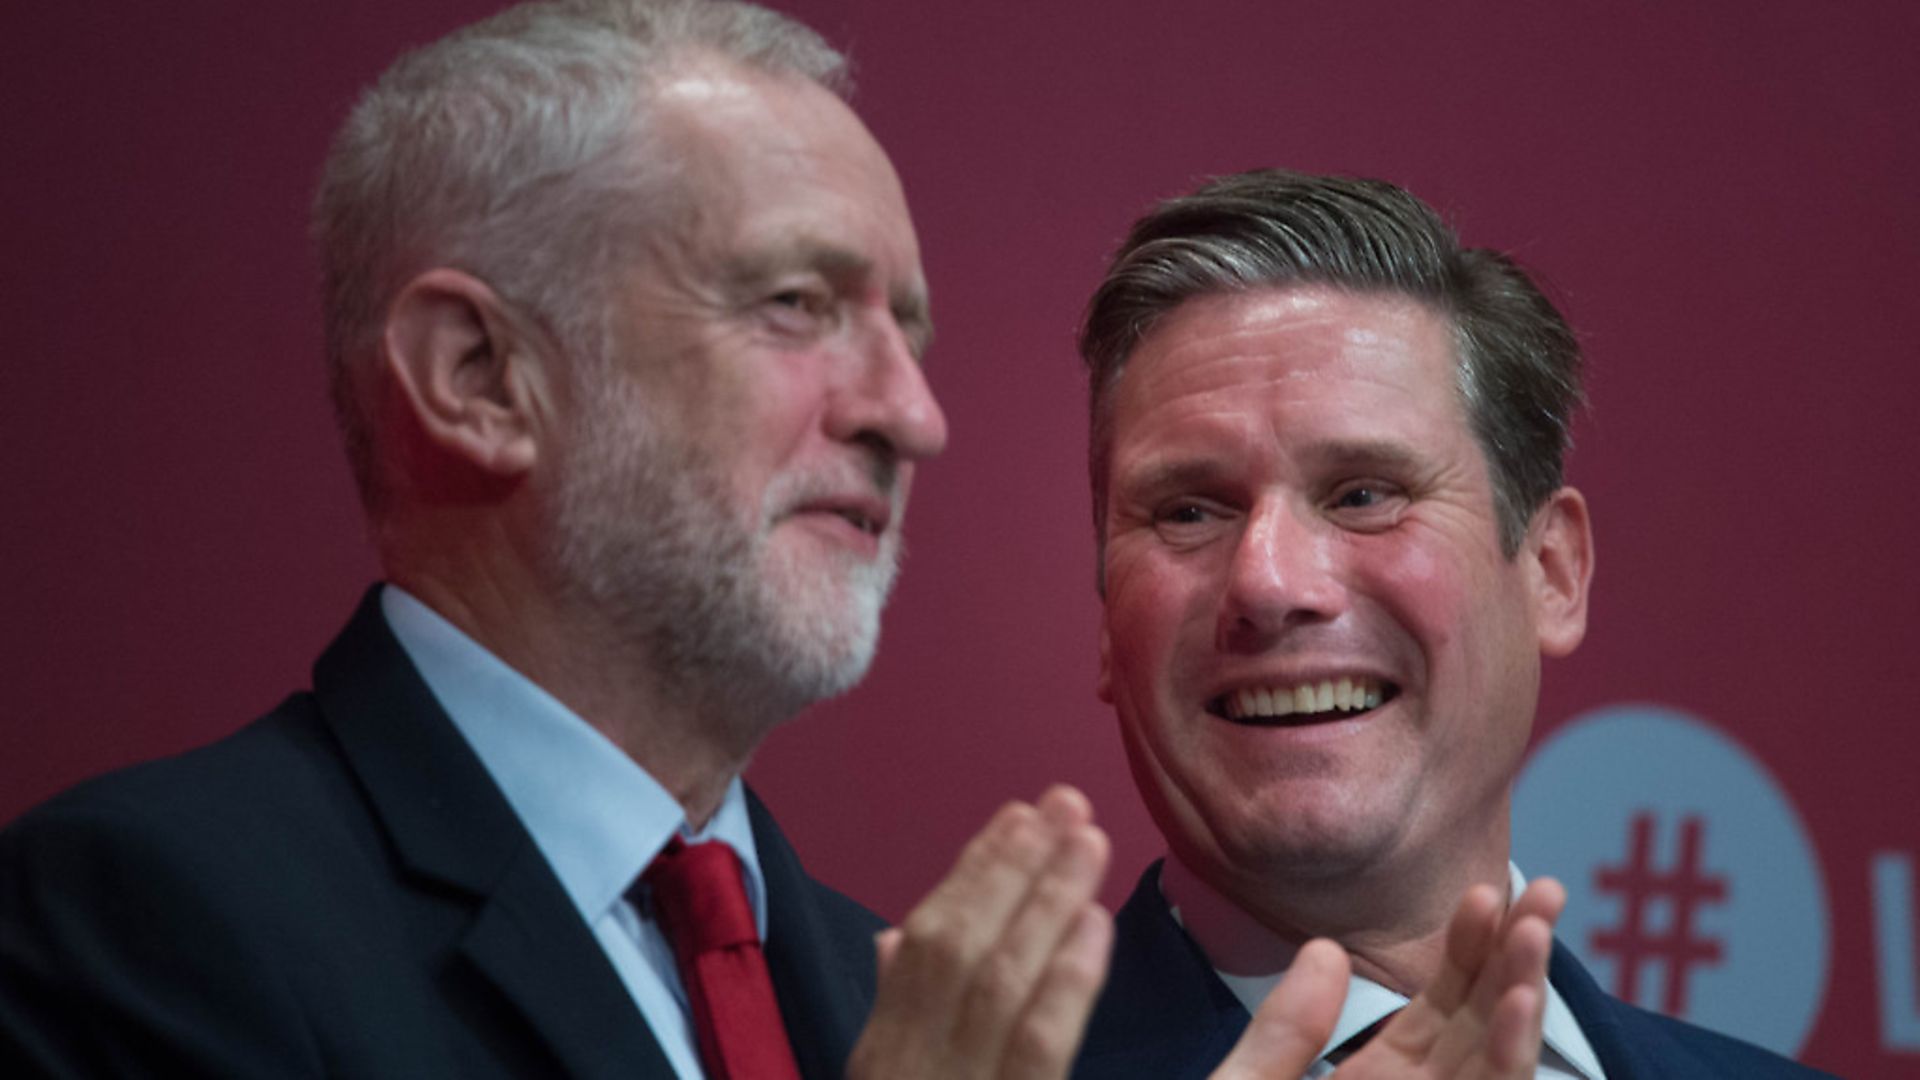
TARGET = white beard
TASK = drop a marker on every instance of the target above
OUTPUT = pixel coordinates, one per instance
(721, 615)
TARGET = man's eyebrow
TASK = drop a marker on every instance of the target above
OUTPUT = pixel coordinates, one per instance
(763, 264)
(1177, 475)
(908, 303)
(1392, 459)
(1371, 455)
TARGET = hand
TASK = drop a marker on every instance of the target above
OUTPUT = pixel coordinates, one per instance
(996, 971)
(1478, 1020)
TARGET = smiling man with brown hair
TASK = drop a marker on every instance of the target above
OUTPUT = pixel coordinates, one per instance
(1336, 542)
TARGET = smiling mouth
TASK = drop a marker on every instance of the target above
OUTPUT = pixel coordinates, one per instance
(859, 521)
(868, 516)
(1304, 703)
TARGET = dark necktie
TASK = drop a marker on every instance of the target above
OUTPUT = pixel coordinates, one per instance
(701, 905)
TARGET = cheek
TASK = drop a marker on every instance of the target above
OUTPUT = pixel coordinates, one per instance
(1459, 616)
(777, 419)
(1424, 594)
(1154, 602)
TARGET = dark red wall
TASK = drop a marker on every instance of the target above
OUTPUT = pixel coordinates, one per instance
(1723, 194)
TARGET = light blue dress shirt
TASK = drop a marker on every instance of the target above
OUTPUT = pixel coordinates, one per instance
(596, 815)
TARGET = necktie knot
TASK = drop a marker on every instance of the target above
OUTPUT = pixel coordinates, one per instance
(699, 897)
(700, 902)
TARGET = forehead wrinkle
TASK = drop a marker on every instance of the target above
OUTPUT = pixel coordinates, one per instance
(1365, 455)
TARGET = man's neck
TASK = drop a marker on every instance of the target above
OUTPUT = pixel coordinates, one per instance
(1391, 920)
(692, 747)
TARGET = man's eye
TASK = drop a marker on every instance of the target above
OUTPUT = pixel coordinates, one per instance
(1367, 505)
(798, 299)
(1185, 524)
(800, 313)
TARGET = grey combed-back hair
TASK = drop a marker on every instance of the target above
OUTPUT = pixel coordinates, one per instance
(1518, 362)
(516, 149)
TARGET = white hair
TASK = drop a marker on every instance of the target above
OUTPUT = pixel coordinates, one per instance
(516, 150)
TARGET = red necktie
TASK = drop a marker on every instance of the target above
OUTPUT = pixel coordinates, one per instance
(702, 907)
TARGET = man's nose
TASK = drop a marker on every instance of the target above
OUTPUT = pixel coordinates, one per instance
(886, 399)
(1282, 575)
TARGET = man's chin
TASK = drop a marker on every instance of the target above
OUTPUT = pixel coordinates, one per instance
(1301, 846)
(827, 649)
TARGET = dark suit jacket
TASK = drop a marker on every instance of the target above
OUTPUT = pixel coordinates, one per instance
(1164, 1013)
(340, 889)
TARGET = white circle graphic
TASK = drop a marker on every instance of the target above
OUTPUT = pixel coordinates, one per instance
(1692, 888)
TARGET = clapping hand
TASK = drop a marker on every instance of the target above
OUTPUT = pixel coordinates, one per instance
(1478, 1020)
(995, 973)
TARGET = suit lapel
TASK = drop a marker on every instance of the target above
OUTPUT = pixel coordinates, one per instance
(452, 829)
(1621, 1052)
(819, 953)
(1163, 1013)
(530, 942)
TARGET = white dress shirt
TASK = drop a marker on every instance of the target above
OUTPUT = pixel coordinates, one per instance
(596, 815)
(1250, 959)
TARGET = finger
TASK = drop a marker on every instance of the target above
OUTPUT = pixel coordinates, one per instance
(1065, 808)
(1296, 1019)
(1543, 899)
(928, 959)
(965, 915)
(1047, 1035)
(1431, 1024)
(1513, 1035)
(1516, 1027)
(1519, 964)
(1471, 936)
(1521, 954)
(1438, 1026)
(1004, 981)
(886, 944)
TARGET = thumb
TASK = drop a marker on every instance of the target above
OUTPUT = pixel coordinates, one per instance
(1295, 1020)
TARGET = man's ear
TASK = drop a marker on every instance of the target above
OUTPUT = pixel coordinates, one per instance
(468, 372)
(1560, 543)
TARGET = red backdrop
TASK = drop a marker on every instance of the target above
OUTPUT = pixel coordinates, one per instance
(1722, 194)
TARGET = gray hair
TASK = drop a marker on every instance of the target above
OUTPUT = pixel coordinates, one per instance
(1518, 360)
(516, 149)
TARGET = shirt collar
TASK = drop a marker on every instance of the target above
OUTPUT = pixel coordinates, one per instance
(1249, 959)
(597, 816)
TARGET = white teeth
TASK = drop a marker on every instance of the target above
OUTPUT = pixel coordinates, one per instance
(1347, 694)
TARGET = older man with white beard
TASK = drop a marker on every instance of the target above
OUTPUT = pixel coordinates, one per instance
(624, 314)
